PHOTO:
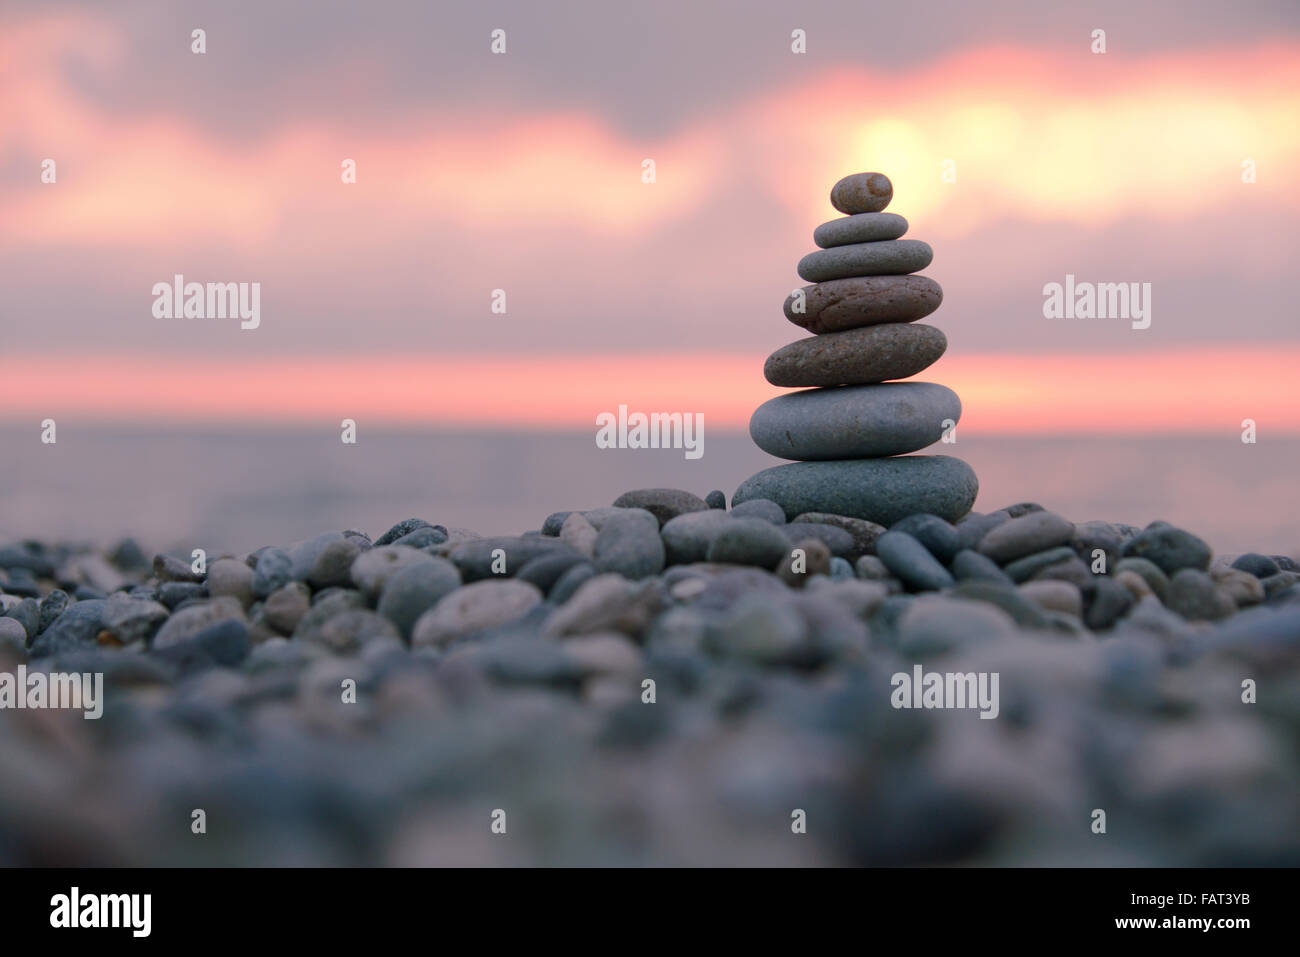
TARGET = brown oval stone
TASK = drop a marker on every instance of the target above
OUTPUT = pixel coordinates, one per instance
(840, 304)
(856, 356)
(862, 193)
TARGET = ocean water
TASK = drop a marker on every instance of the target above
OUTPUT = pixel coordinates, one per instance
(234, 491)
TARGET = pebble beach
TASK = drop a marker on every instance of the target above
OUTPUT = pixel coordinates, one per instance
(664, 680)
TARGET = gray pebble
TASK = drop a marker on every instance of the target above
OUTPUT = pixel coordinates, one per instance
(474, 607)
(228, 577)
(286, 606)
(169, 569)
(1023, 569)
(1170, 548)
(274, 570)
(630, 546)
(749, 541)
(568, 583)
(1149, 572)
(133, 619)
(878, 490)
(554, 522)
(663, 503)
(911, 562)
(762, 508)
(415, 589)
(687, 538)
(1026, 534)
(837, 540)
(13, 636)
(890, 257)
(854, 422)
(1261, 566)
(859, 228)
(1110, 602)
(970, 565)
(371, 570)
(27, 613)
(939, 537)
(189, 621)
(1194, 595)
(402, 528)
(972, 528)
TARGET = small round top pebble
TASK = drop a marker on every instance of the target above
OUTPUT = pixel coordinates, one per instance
(862, 193)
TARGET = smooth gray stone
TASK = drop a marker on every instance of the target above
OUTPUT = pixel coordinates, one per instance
(859, 228)
(890, 257)
(974, 527)
(762, 508)
(1169, 547)
(970, 565)
(175, 594)
(862, 193)
(877, 490)
(1148, 571)
(404, 528)
(911, 562)
(554, 522)
(188, 622)
(854, 422)
(716, 499)
(1195, 596)
(630, 546)
(570, 582)
(664, 504)
(474, 559)
(1024, 612)
(862, 301)
(13, 635)
(839, 541)
(1110, 602)
(1261, 566)
(28, 614)
(749, 541)
(372, 570)
(423, 537)
(1026, 535)
(274, 570)
(545, 570)
(415, 589)
(1023, 569)
(863, 533)
(166, 568)
(894, 350)
(687, 537)
(939, 537)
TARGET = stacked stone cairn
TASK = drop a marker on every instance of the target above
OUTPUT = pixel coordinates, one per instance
(852, 425)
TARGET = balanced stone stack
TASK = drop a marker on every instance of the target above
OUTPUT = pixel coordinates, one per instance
(851, 427)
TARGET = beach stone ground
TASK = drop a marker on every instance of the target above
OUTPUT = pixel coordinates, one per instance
(664, 682)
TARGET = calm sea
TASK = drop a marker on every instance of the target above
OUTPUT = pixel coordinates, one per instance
(237, 490)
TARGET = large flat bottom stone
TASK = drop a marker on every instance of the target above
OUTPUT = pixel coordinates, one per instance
(877, 490)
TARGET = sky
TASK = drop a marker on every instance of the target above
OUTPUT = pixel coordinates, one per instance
(1017, 152)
